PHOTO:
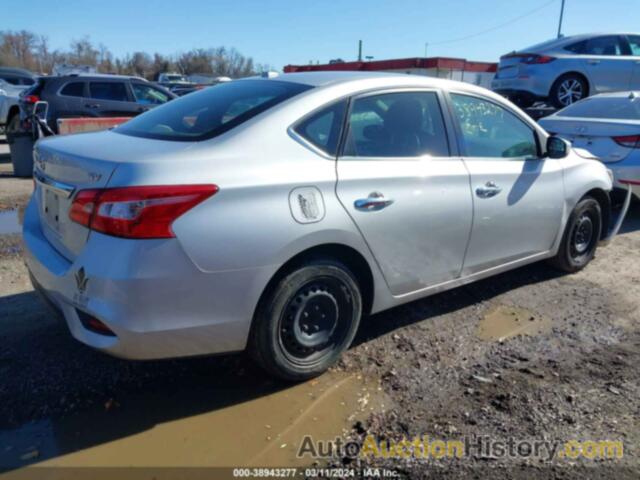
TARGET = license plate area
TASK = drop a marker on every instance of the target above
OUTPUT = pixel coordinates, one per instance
(51, 209)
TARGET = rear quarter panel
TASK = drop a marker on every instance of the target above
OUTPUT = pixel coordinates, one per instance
(249, 223)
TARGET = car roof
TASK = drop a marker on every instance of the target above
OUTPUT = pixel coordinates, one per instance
(16, 71)
(330, 78)
(89, 76)
(562, 41)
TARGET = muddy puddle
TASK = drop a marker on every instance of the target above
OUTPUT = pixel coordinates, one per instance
(10, 222)
(263, 431)
(504, 322)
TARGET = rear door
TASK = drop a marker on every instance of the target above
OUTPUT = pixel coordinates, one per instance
(109, 98)
(70, 101)
(403, 186)
(518, 196)
(607, 64)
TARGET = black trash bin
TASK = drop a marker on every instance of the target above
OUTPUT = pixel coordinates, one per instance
(21, 148)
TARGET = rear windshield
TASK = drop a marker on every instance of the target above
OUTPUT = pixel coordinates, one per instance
(212, 111)
(617, 108)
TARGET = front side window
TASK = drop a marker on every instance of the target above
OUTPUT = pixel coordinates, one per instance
(407, 124)
(147, 95)
(116, 91)
(634, 44)
(488, 130)
(603, 46)
(211, 111)
(323, 128)
(73, 89)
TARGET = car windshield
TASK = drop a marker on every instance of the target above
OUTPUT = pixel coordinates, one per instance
(212, 111)
(617, 108)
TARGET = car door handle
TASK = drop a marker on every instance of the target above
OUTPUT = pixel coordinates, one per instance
(92, 105)
(488, 190)
(375, 201)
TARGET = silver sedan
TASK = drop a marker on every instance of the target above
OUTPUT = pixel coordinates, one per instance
(272, 214)
(568, 69)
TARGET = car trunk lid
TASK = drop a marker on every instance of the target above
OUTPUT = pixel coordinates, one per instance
(594, 136)
(65, 165)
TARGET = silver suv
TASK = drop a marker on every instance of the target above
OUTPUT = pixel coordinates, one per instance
(565, 70)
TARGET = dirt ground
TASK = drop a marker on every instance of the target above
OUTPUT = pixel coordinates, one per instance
(531, 354)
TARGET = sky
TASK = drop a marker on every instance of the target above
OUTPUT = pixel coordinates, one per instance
(281, 32)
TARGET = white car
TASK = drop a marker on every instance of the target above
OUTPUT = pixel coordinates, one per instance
(607, 126)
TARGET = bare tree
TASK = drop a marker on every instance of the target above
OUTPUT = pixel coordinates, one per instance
(28, 50)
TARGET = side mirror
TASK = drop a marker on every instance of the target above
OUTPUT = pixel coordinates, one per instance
(557, 147)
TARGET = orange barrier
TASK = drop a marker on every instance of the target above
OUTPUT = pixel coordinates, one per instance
(88, 124)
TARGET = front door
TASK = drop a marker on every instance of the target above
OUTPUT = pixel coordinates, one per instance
(407, 194)
(518, 197)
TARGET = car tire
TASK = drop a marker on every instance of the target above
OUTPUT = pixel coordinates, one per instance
(306, 320)
(581, 237)
(523, 101)
(570, 82)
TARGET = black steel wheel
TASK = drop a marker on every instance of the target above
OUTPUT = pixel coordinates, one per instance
(307, 320)
(581, 236)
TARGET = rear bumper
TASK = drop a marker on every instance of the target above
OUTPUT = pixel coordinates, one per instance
(534, 87)
(149, 293)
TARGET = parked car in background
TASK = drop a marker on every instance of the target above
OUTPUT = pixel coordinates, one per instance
(173, 80)
(271, 214)
(93, 95)
(607, 126)
(13, 81)
(565, 70)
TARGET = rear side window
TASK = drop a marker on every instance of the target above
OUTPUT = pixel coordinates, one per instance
(407, 124)
(73, 89)
(116, 91)
(488, 130)
(604, 46)
(323, 128)
(577, 47)
(211, 111)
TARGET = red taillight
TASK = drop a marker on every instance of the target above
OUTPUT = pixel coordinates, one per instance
(31, 98)
(137, 212)
(530, 58)
(629, 141)
(538, 59)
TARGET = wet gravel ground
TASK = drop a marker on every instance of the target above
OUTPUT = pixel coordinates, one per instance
(577, 380)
